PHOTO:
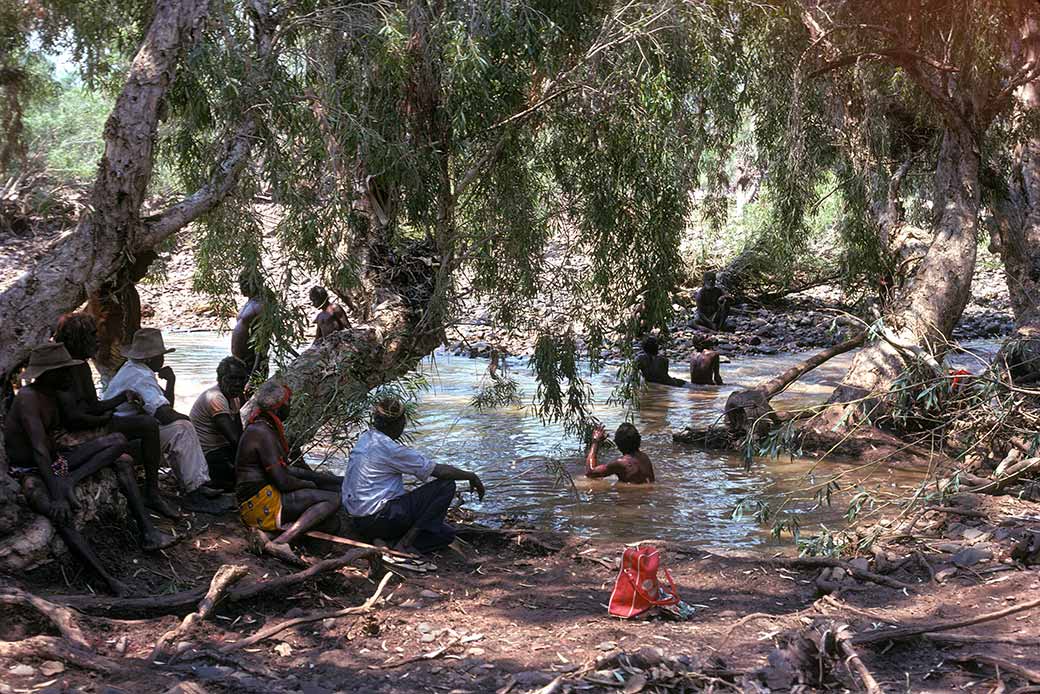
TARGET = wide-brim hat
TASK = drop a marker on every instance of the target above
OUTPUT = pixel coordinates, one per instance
(147, 343)
(48, 357)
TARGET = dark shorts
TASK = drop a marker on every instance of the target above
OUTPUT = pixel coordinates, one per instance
(424, 508)
(221, 464)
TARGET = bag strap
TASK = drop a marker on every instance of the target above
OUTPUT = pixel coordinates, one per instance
(672, 599)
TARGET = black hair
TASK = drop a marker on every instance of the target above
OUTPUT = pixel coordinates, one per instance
(650, 345)
(228, 365)
(74, 330)
(319, 292)
(627, 438)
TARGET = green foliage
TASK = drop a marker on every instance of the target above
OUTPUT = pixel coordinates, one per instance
(65, 129)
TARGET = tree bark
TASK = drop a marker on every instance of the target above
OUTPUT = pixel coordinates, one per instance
(922, 316)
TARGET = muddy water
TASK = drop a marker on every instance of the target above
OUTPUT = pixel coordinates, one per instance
(695, 493)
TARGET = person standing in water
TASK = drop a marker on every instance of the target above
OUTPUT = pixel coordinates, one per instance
(633, 467)
(242, 342)
(654, 366)
(704, 368)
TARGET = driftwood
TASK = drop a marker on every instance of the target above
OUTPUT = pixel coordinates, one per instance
(907, 632)
(61, 617)
(185, 601)
(268, 632)
(225, 577)
(318, 535)
(844, 639)
(1011, 475)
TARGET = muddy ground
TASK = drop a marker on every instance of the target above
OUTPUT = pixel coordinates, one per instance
(514, 612)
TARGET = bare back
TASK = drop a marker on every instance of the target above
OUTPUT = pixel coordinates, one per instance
(240, 335)
(258, 452)
(33, 411)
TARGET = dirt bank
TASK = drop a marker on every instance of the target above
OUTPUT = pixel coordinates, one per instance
(521, 609)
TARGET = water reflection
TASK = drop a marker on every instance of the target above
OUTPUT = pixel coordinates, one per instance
(695, 492)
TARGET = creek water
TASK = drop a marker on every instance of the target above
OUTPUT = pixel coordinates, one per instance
(695, 493)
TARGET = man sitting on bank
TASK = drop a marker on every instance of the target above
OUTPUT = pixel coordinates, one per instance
(331, 317)
(146, 358)
(218, 424)
(272, 496)
(50, 473)
(87, 417)
(654, 366)
(373, 489)
(633, 467)
(712, 305)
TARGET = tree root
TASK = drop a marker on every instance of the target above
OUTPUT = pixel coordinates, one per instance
(226, 576)
(268, 632)
(54, 648)
(185, 601)
(1003, 666)
(907, 632)
(61, 617)
(852, 659)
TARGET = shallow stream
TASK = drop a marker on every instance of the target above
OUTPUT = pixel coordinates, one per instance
(695, 493)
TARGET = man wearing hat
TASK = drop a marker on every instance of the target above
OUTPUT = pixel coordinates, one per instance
(373, 488)
(145, 359)
(50, 473)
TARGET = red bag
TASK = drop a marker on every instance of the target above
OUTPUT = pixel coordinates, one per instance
(637, 588)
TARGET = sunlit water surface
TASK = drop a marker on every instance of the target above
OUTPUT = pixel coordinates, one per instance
(695, 493)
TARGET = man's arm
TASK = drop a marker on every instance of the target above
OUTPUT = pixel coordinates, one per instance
(323, 480)
(74, 416)
(167, 374)
(450, 472)
(167, 415)
(592, 466)
(228, 428)
(60, 491)
(614, 468)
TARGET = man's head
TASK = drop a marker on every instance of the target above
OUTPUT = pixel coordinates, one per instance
(388, 416)
(319, 297)
(78, 332)
(709, 278)
(148, 348)
(232, 376)
(627, 438)
(274, 397)
(249, 283)
(154, 363)
(49, 365)
(650, 346)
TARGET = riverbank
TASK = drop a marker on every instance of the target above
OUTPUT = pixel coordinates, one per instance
(517, 610)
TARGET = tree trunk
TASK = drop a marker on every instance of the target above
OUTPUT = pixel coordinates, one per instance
(922, 316)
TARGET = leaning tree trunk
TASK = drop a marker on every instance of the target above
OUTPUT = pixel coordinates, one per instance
(922, 316)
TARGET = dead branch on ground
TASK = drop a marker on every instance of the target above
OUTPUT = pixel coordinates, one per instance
(907, 632)
(225, 577)
(61, 617)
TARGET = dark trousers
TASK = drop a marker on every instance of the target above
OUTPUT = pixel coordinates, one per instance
(424, 508)
(221, 464)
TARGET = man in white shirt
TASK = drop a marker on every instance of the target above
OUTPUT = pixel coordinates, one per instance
(180, 444)
(373, 488)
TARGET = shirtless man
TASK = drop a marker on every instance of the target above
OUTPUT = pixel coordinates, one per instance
(654, 366)
(633, 467)
(82, 410)
(242, 335)
(712, 305)
(331, 317)
(704, 368)
(272, 496)
(50, 473)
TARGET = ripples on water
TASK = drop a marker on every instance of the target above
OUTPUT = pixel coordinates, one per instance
(695, 493)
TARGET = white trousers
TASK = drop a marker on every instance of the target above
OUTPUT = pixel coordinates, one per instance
(180, 447)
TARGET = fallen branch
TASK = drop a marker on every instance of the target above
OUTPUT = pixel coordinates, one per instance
(60, 617)
(225, 577)
(1002, 665)
(966, 512)
(268, 632)
(54, 648)
(911, 631)
(1013, 473)
(844, 638)
(186, 601)
(318, 535)
(824, 562)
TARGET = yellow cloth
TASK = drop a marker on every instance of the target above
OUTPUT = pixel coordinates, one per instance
(263, 510)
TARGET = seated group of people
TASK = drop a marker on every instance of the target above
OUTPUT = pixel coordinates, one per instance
(58, 433)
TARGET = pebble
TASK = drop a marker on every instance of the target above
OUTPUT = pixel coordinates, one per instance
(22, 670)
(970, 556)
(430, 595)
(424, 628)
(944, 574)
(50, 668)
(607, 646)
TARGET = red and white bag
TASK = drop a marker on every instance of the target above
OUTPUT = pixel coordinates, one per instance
(637, 588)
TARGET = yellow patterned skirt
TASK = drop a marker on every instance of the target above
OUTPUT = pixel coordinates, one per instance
(263, 510)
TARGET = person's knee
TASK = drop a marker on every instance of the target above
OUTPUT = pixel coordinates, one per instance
(445, 486)
(117, 441)
(124, 466)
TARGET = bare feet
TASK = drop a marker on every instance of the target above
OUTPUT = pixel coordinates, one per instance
(155, 502)
(156, 539)
(283, 551)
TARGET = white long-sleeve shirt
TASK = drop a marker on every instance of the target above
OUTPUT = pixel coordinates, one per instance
(375, 472)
